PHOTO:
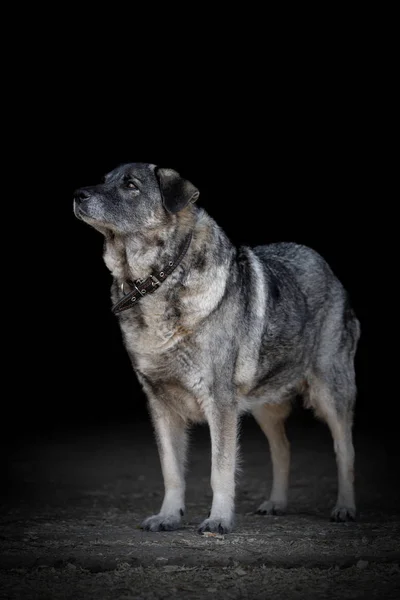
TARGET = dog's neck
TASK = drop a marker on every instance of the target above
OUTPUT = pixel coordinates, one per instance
(135, 256)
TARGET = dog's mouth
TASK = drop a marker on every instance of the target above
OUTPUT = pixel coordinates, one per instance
(80, 213)
(85, 217)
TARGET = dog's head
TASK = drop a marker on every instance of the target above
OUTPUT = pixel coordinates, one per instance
(134, 197)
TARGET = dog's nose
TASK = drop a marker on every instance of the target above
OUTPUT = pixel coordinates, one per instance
(80, 195)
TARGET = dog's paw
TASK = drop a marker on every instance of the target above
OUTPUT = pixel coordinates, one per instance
(340, 514)
(271, 508)
(161, 523)
(216, 526)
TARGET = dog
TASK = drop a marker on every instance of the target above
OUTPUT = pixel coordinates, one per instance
(213, 330)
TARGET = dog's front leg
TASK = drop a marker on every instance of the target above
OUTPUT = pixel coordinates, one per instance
(171, 437)
(223, 431)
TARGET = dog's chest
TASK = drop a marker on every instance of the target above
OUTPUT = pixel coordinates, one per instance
(153, 332)
(170, 367)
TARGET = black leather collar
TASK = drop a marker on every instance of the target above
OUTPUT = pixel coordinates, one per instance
(143, 287)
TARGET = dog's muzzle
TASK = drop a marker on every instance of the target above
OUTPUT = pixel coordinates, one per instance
(80, 196)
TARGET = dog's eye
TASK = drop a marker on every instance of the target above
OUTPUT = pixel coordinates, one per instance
(131, 185)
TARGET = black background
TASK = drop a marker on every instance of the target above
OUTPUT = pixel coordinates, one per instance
(286, 126)
(304, 187)
(300, 161)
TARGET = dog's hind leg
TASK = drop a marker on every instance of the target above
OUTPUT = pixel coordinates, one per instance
(333, 402)
(271, 418)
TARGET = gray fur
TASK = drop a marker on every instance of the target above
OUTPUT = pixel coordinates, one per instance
(231, 330)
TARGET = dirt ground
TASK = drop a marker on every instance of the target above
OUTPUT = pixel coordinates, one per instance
(74, 501)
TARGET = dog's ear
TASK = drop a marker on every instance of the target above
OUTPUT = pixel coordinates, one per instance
(176, 192)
